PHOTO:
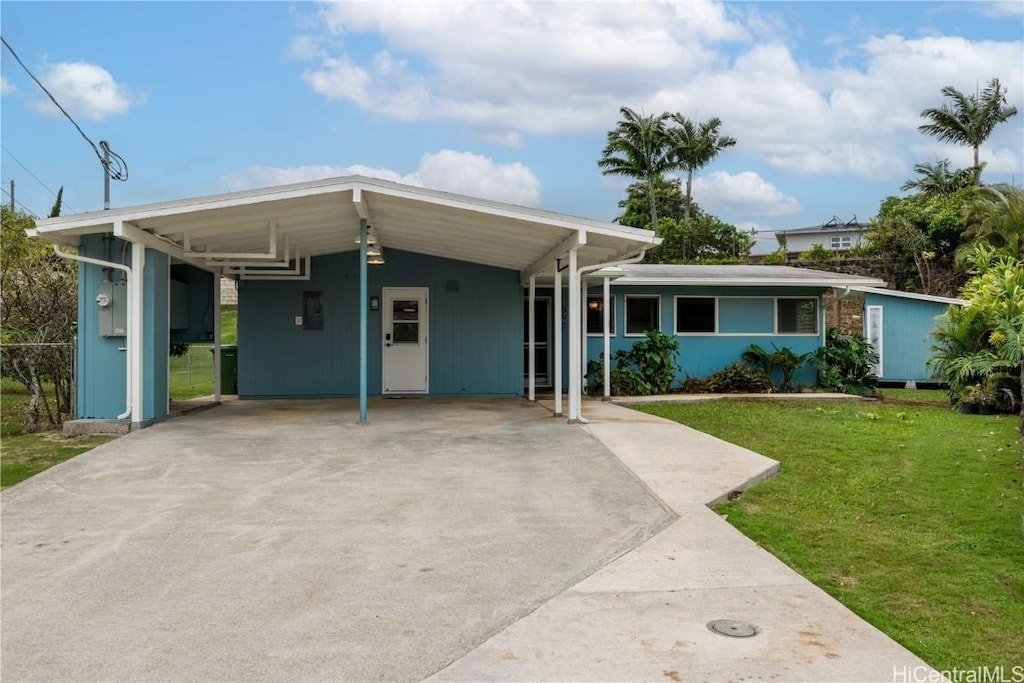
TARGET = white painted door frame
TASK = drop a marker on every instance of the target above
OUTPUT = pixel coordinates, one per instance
(405, 364)
(873, 328)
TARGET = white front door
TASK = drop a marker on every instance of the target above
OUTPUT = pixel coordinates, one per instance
(405, 340)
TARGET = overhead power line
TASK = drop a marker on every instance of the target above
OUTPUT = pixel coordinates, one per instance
(18, 202)
(45, 186)
(113, 164)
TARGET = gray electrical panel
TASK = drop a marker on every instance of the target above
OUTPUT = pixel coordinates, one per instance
(112, 301)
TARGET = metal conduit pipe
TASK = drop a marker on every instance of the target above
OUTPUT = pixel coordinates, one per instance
(128, 354)
(581, 272)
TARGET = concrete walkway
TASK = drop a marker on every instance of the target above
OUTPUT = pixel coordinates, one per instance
(644, 616)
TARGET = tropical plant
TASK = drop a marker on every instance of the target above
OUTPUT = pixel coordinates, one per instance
(968, 120)
(995, 216)
(636, 207)
(636, 148)
(846, 363)
(737, 378)
(938, 179)
(783, 362)
(702, 239)
(648, 367)
(692, 146)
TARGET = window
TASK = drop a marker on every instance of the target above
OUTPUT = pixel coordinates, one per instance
(796, 316)
(405, 321)
(642, 314)
(844, 242)
(695, 315)
(595, 315)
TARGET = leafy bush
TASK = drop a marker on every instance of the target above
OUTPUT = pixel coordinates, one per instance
(649, 367)
(738, 378)
(783, 360)
(845, 363)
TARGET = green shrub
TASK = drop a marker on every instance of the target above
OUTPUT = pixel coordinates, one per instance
(783, 362)
(649, 367)
(738, 378)
(845, 364)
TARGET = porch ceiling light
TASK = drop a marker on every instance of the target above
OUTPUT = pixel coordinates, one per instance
(374, 250)
(371, 239)
(375, 260)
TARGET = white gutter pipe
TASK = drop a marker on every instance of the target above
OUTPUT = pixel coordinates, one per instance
(576, 406)
(128, 356)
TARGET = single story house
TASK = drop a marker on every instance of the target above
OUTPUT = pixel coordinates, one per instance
(899, 326)
(361, 287)
(834, 234)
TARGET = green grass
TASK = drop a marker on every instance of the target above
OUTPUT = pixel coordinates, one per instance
(910, 515)
(937, 397)
(185, 383)
(22, 455)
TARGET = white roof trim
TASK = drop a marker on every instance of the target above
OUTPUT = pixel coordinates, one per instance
(911, 295)
(740, 282)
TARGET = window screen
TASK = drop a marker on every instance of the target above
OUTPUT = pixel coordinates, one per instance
(695, 315)
(595, 315)
(641, 314)
(797, 316)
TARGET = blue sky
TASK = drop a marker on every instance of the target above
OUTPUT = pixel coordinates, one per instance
(509, 101)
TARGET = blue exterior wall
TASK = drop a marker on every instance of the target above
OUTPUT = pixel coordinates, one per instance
(475, 333)
(747, 317)
(101, 362)
(906, 344)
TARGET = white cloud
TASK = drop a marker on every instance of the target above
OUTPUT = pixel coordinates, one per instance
(6, 87)
(999, 9)
(744, 194)
(461, 172)
(86, 90)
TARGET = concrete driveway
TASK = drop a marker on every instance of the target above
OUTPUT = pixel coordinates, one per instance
(277, 540)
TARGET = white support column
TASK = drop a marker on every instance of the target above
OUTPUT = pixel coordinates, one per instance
(531, 344)
(137, 327)
(558, 339)
(583, 337)
(217, 388)
(607, 341)
(575, 396)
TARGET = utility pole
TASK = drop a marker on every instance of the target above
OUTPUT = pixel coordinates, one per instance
(106, 174)
(12, 194)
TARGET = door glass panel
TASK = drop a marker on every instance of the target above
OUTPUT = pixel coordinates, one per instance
(406, 333)
(405, 309)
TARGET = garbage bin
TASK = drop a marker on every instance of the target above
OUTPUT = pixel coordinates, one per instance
(228, 369)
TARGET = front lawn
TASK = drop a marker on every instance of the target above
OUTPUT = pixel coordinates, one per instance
(910, 515)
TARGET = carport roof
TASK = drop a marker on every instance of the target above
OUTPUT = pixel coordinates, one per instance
(323, 217)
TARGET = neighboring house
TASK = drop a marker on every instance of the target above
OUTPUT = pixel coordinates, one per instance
(362, 287)
(833, 234)
(899, 325)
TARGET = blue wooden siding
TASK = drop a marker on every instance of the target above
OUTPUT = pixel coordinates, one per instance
(100, 388)
(475, 328)
(746, 315)
(906, 343)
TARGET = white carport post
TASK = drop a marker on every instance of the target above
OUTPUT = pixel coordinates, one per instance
(137, 328)
(531, 344)
(217, 388)
(575, 393)
(363, 315)
(583, 335)
(558, 338)
(607, 341)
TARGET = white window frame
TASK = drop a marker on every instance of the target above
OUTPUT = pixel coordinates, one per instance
(625, 313)
(675, 316)
(817, 317)
(611, 322)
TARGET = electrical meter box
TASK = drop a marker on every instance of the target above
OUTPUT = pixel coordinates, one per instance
(112, 301)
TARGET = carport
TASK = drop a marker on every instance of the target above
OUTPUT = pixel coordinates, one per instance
(335, 238)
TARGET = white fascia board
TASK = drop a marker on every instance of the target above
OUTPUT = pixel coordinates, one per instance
(758, 282)
(911, 295)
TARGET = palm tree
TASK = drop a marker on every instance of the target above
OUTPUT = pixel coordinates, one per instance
(694, 146)
(968, 119)
(637, 149)
(937, 179)
(996, 217)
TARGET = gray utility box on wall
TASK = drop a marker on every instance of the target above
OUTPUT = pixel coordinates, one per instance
(112, 300)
